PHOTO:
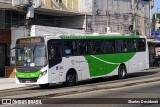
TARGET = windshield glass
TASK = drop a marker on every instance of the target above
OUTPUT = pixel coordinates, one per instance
(31, 55)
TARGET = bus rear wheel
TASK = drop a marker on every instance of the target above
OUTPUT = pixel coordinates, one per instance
(122, 72)
(71, 79)
(44, 85)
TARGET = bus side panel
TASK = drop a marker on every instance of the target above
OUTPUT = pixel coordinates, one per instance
(84, 67)
(107, 64)
(114, 72)
(54, 74)
(138, 62)
(70, 62)
(142, 60)
(43, 80)
(58, 72)
(133, 64)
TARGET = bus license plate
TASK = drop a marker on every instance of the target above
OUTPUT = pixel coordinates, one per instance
(27, 81)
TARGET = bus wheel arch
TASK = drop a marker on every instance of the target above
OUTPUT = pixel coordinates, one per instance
(122, 71)
(71, 77)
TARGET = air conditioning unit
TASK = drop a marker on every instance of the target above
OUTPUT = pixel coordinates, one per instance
(19, 3)
(37, 3)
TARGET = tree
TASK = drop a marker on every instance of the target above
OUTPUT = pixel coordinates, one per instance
(155, 17)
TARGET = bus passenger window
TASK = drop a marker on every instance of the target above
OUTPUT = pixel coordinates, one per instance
(84, 47)
(67, 51)
(110, 46)
(121, 46)
(131, 45)
(70, 48)
(141, 45)
(98, 47)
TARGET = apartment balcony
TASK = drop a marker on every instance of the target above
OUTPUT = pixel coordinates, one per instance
(65, 7)
(6, 4)
(6, 1)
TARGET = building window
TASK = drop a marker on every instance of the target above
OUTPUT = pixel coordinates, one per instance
(59, 1)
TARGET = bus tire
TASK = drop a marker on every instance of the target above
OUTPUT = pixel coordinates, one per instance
(44, 85)
(122, 72)
(71, 78)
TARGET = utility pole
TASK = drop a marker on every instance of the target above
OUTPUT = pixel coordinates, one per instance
(108, 18)
(133, 17)
(142, 21)
(29, 6)
(29, 16)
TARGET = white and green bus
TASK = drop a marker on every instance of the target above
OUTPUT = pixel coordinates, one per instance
(68, 59)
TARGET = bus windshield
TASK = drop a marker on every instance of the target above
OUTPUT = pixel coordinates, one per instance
(31, 55)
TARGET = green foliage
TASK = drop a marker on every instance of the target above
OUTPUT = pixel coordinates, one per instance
(154, 20)
(158, 16)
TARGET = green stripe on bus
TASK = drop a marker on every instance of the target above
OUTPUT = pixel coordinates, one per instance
(28, 74)
(105, 64)
(98, 37)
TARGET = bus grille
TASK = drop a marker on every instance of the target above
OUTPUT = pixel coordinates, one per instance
(28, 69)
(26, 80)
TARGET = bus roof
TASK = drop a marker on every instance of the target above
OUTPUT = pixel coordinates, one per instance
(100, 36)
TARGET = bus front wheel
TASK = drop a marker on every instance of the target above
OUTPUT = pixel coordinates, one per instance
(70, 79)
(122, 72)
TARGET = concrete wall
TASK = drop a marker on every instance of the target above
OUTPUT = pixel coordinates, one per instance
(15, 34)
(40, 30)
(75, 22)
(85, 6)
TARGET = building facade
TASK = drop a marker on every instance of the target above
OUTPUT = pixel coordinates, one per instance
(124, 16)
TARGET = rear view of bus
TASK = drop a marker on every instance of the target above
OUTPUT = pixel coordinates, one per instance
(31, 61)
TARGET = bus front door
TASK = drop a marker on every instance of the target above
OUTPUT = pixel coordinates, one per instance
(54, 59)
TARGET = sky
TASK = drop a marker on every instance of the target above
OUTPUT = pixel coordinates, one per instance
(156, 6)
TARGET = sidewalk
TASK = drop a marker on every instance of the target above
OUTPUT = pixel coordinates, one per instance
(8, 83)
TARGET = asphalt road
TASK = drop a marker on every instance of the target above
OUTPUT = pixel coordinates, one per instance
(22, 92)
(132, 96)
(122, 97)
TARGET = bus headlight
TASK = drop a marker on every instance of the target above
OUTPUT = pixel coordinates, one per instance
(43, 73)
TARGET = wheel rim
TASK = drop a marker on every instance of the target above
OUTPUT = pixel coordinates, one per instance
(70, 78)
(123, 73)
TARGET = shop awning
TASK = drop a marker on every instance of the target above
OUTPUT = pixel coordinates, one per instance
(153, 41)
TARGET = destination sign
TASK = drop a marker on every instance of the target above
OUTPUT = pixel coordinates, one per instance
(30, 40)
